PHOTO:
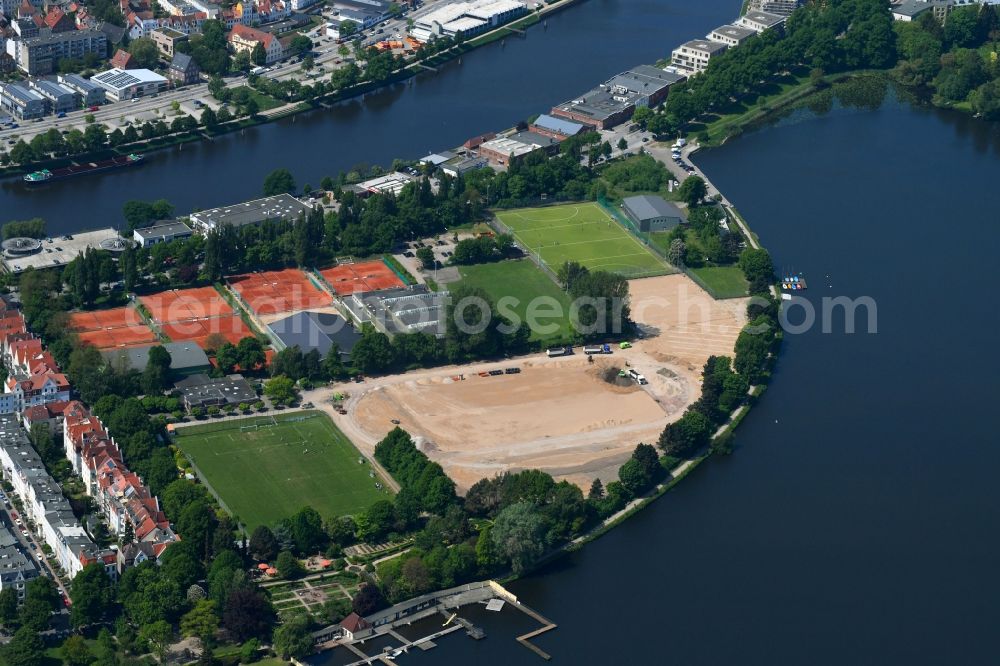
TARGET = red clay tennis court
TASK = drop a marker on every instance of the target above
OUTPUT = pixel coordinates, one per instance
(365, 276)
(185, 304)
(273, 292)
(117, 327)
(198, 331)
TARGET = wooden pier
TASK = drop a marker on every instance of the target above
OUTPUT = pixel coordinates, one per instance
(525, 639)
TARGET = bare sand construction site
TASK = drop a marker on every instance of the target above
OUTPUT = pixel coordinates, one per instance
(567, 416)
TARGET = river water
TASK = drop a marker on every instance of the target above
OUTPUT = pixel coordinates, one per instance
(493, 88)
(856, 522)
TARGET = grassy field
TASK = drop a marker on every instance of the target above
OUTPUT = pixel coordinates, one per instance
(268, 474)
(583, 233)
(524, 281)
(724, 281)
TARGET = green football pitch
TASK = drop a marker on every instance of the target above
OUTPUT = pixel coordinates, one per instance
(583, 233)
(265, 469)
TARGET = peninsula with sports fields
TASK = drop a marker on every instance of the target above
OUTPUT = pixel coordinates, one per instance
(324, 415)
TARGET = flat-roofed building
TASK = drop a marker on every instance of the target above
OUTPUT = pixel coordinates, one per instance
(91, 94)
(316, 330)
(40, 55)
(557, 128)
(761, 21)
(22, 102)
(62, 98)
(167, 39)
(277, 207)
(122, 84)
(186, 358)
(161, 232)
(391, 183)
(652, 213)
(731, 35)
(505, 149)
(466, 18)
(200, 391)
(693, 57)
(779, 7)
(614, 102)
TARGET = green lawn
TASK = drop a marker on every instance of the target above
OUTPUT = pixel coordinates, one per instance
(724, 281)
(268, 474)
(779, 92)
(584, 233)
(523, 280)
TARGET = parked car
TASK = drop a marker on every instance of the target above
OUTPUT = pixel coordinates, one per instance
(93, 108)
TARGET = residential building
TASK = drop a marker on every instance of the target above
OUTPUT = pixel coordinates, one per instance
(44, 505)
(245, 38)
(119, 493)
(186, 358)
(693, 57)
(315, 330)
(128, 84)
(652, 213)
(278, 207)
(16, 569)
(556, 128)
(91, 94)
(122, 59)
(466, 19)
(57, 20)
(779, 7)
(22, 102)
(50, 414)
(183, 70)
(41, 55)
(202, 391)
(167, 39)
(731, 35)
(161, 232)
(909, 10)
(761, 21)
(62, 98)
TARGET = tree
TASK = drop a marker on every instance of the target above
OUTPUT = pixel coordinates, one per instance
(756, 265)
(281, 390)
(74, 651)
(209, 119)
(258, 55)
(91, 594)
(373, 353)
(307, 530)
(299, 45)
(622, 144)
(426, 257)
(201, 622)
(292, 639)
(288, 565)
(641, 116)
(520, 534)
(368, 599)
(156, 375)
(158, 636)
(144, 52)
(692, 190)
(248, 614)
(279, 181)
(596, 490)
(263, 545)
(227, 357)
(250, 353)
(677, 253)
(8, 607)
(25, 649)
(686, 435)
(377, 521)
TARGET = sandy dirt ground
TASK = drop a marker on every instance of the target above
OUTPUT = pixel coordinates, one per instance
(560, 415)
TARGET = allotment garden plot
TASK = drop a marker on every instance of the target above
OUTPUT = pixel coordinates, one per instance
(266, 468)
(583, 233)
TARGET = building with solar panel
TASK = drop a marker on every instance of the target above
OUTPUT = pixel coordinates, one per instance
(122, 84)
